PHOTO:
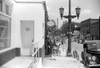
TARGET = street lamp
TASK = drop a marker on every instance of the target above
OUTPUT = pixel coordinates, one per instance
(61, 12)
(69, 21)
(78, 11)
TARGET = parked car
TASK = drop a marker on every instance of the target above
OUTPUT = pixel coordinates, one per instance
(91, 53)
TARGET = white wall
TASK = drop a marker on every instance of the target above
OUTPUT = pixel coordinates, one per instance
(25, 11)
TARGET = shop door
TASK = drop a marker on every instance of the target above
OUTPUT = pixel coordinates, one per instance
(27, 36)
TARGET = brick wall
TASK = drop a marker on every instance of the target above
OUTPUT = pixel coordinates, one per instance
(8, 55)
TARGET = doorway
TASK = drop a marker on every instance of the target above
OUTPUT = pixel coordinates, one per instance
(27, 36)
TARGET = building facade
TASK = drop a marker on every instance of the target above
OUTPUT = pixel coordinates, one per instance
(90, 29)
(94, 29)
(21, 24)
(5, 24)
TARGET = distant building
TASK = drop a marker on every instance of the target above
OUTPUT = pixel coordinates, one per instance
(90, 29)
(74, 26)
(95, 29)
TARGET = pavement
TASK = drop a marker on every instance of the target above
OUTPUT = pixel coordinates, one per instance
(62, 61)
(74, 47)
(18, 62)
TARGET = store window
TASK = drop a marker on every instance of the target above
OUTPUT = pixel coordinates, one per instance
(5, 32)
(7, 9)
(0, 5)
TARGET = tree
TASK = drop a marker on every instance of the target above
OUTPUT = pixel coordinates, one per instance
(65, 27)
(51, 32)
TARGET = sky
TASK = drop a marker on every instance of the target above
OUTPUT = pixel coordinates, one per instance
(89, 9)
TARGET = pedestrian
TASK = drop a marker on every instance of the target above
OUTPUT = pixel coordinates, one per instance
(75, 55)
(53, 52)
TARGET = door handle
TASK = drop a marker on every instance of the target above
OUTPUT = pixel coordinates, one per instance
(32, 40)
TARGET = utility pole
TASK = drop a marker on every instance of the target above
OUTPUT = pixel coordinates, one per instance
(69, 34)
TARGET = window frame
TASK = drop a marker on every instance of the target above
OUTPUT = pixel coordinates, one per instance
(7, 38)
(1, 5)
(4, 9)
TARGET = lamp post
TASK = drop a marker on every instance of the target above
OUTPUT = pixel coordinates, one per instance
(69, 21)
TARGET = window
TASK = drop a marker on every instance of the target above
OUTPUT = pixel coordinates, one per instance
(5, 32)
(7, 9)
(92, 46)
(0, 5)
